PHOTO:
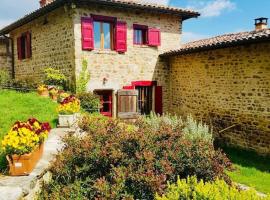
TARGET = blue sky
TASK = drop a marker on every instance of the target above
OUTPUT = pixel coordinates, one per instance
(218, 16)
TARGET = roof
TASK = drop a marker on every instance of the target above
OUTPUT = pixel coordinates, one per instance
(222, 41)
(122, 4)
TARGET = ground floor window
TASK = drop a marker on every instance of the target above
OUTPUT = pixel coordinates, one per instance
(106, 102)
(145, 99)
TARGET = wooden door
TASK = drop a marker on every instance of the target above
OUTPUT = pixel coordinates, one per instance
(127, 105)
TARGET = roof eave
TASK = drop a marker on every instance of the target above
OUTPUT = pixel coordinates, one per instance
(213, 47)
(56, 4)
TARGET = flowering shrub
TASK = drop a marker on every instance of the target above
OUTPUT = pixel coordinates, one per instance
(24, 137)
(192, 189)
(115, 160)
(54, 77)
(69, 105)
(42, 88)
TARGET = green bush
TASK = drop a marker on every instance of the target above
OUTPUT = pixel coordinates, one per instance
(55, 77)
(191, 129)
(115, 160)
(89, 101)
(192, 189)
(83, 78)
(4, 78)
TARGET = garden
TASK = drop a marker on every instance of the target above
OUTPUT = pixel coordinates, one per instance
(154, 157)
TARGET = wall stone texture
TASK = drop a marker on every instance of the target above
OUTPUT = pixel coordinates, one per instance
(226, 87)
(139, 62)
(52, 46)
(5, 55)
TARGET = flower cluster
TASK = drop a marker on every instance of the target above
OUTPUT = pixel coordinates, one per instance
(69, 105)
(24, 137)
(42, 88)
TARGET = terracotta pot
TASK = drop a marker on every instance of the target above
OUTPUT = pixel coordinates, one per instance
(44, 93)
(23, 165)
(54, 97)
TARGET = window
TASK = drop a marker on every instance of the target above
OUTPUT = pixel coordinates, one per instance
(106, 102)
(24, 46)
(140, 34)
(101, 32)
(143, 35)
(103, 37)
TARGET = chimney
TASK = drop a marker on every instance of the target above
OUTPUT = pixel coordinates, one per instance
(45, 2)
(261, 23)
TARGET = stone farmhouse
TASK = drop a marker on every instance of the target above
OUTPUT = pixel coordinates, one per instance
(138, 64)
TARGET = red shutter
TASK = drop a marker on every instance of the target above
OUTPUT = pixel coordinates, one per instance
(87, 33)
(121, 37)
(154, 37)
(19, 48)
(28, 45)
(158, 100)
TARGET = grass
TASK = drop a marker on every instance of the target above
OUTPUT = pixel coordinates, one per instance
(250, 169)
(16, 106)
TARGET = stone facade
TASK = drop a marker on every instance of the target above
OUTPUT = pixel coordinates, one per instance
(227, 87)
(5, 55)
(52, 46)
(139, 62)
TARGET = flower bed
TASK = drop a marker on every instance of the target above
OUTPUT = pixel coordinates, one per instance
(23, 145)
(115, 160)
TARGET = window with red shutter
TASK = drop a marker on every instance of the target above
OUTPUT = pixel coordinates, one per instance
(24, 46)
(121, 37)
(87, 33)
(154, 38)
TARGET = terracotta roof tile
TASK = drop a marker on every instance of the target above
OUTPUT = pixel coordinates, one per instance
(222, 41)
(125, 4)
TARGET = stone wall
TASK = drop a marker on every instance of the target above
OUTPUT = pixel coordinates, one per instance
(139, 62)
(52, 45)
(5, 55)
(226, 87)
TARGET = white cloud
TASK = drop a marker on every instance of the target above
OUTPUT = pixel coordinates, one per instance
(191, 36)
(213, 8)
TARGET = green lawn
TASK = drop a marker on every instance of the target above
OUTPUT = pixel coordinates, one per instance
(16, 106)
(251, 169)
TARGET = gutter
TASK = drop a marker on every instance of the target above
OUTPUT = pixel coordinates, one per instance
(12, 56)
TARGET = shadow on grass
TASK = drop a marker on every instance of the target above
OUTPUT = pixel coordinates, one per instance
(248, 158)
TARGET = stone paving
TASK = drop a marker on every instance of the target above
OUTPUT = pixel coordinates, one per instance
(22, 187)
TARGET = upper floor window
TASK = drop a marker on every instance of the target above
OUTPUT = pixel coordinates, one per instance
(24, 46)
(140, 34)
(143, 35)
(103, 35)
(101, 32)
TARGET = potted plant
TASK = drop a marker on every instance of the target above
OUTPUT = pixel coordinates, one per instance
(43, 90)
(68, 111)
(53, 93)
(23, 146)
(62, 95)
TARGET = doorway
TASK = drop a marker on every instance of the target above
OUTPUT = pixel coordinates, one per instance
(145, 99)
(106, 102)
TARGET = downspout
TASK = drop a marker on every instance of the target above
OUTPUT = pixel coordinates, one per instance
(12, 56)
